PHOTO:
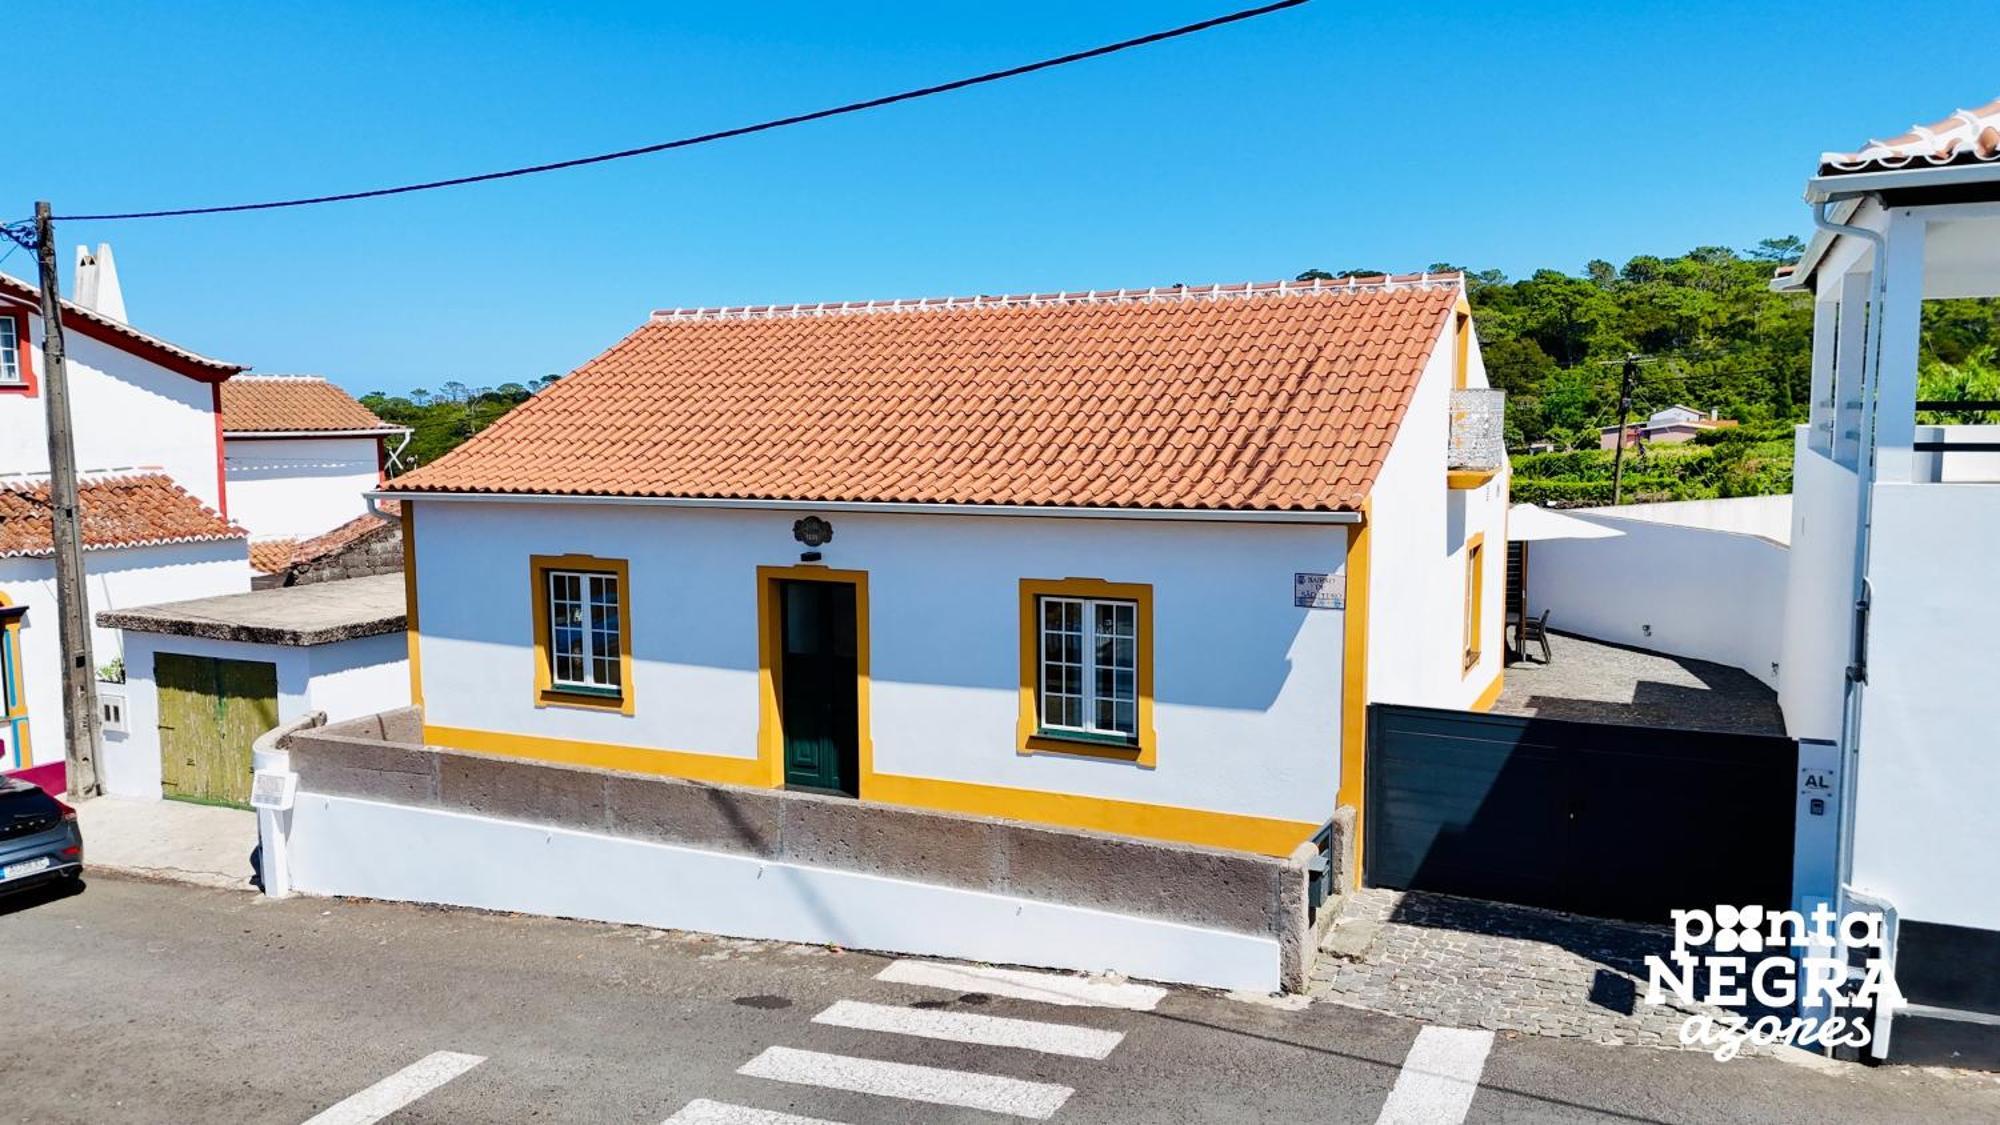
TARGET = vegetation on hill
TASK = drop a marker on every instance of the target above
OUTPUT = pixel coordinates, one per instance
(1708, 333)
(440, 421)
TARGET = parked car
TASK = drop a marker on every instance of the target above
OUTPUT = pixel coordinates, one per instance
(39, 839)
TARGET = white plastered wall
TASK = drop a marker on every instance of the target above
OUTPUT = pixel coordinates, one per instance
(116, 579)
(1247, 685)
(127, 413)
(283, 488)
(1420, 530)
(345, 679)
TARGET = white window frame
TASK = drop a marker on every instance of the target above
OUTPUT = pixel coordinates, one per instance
(607, 588)
(10, 353)
(1089, 668)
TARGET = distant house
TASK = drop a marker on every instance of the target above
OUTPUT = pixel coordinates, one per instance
(300, 452)
(1671, 426)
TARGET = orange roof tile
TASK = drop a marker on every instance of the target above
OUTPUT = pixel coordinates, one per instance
(1265, 397)
(272, 556)
(134, 511)
(1970, 136)
(291, 403)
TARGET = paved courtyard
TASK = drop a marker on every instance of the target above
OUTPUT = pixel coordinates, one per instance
(1593, 681)
(1465, 963)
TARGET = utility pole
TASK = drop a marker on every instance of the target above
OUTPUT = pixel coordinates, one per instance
(72, 600)
(1624, 410)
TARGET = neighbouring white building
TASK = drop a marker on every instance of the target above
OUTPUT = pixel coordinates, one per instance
(1892, 623)
(299, 454)
(1673, 425)
(148, 435)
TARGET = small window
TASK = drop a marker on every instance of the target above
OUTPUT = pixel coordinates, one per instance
(582, 648)
(1090, 667)
(1475, 595)
(10, 351)
(1087, 670)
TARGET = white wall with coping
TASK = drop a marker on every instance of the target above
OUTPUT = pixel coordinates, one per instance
(283, 488)
(1685, 591)
(115, 579)
(1769, 517)
(346, 846)
(345, 679)
(1247, 686)
(1924, 835)
(128, 413)
(1419, 533)
(1819, 594)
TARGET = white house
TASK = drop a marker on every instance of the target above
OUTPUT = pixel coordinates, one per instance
(1892, 626)
(1131, 562)
(299, 453)
(147, 425)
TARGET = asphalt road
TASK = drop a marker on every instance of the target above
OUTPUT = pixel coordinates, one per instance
(149, 1002)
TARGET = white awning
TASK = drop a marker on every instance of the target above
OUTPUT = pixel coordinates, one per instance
(1527, 522)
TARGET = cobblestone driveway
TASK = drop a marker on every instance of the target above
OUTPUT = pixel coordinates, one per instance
(1464, 963)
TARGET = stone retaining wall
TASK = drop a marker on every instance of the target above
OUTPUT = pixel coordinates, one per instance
(383, 758)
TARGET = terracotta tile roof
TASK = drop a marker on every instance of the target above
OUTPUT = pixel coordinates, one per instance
(281, 403)
(1272, 396)
(16, 292)
(272, 556)
(1970, 136)
(130, 511)
(275, 556)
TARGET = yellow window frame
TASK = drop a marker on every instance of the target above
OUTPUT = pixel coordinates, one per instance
(547, 694)
(1475, 596)
(1029, 735)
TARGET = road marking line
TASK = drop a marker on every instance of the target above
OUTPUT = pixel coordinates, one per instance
(1049, 988)
(970, 1027)
(701, 1111)
(1439, 1077)
(992, 1093)
(398, 1090)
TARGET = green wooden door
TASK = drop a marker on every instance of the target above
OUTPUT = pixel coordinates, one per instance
(818, 686)
(210, 712)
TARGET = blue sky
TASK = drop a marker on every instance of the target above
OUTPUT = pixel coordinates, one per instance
(1380, 135)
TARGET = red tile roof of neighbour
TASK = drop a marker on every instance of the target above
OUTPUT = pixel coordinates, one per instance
(292, 403)
(15, 292)
(1970, 136)
(274, 556)
(1280, 396)
(132, 511)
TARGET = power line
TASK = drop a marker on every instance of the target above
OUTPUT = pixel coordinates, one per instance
(720, 135)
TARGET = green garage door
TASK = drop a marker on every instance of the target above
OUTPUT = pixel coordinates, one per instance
(1594, 818)
(210, 712)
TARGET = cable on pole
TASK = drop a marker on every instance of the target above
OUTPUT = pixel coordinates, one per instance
(705, 138)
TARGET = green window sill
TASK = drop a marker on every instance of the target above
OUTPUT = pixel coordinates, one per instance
(1085, 738)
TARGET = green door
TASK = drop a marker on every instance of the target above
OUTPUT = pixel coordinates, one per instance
(818, 686)
(210, 712)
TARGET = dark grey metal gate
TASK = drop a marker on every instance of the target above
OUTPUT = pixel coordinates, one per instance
(1595, 818)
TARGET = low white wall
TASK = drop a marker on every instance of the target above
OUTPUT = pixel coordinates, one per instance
(298, 487)
(1708, 595)
(1925, 833)
(346, 679)
(1766, 516)
(345, 846)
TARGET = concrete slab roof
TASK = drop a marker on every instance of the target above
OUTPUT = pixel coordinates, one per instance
(314, 614)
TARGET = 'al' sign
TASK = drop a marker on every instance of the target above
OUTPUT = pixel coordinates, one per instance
(1319, 591)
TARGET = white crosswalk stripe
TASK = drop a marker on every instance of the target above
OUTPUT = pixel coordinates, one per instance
(1012, 1096)
(970, 1027)
(1439, 1078)
(701, 1111)
(397, 1090)
(1021, 984)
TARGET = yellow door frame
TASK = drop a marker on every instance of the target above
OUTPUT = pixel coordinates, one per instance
(770, 716)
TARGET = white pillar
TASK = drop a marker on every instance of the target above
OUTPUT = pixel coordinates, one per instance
(1902, 328)
(1849, 364)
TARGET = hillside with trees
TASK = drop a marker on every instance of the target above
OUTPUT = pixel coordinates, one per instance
(1707, 332)
(440, 420)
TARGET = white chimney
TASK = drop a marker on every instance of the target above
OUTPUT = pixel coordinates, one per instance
(97, 287)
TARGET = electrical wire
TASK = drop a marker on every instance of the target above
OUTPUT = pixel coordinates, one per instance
(705, 138)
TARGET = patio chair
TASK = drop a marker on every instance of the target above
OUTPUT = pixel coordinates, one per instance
(1534, 629)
